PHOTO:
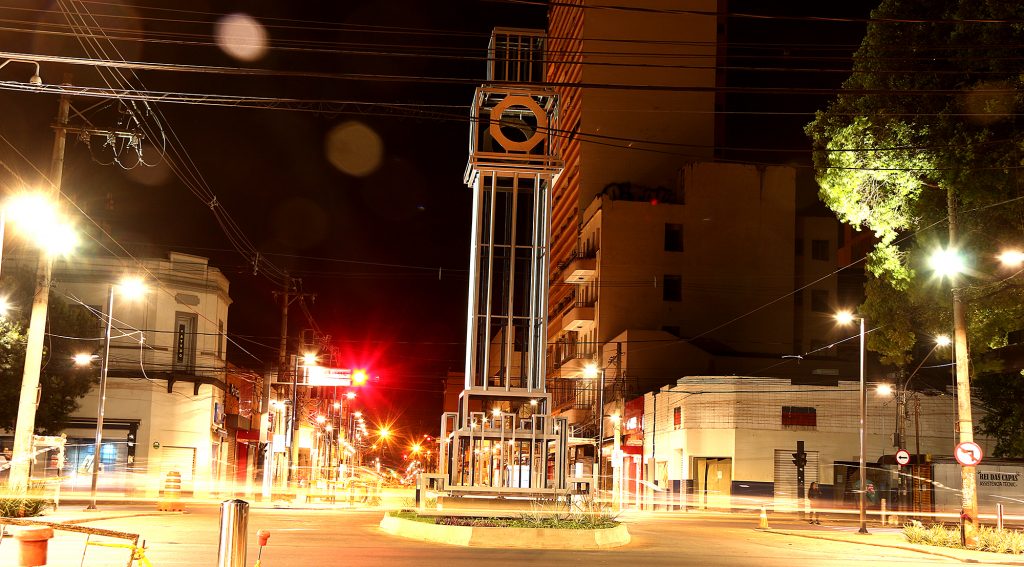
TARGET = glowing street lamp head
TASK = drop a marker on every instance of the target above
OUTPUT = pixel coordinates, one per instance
(132, 287)
(5, 306)
(946, 262)
(350, 395)
(1012, 258)
(943, 340)
(337, 405)
(39, 218)
(590, 370)
(416, 448)
(320, 419)
(309, 359)
(82, 359)
(383, 432)
(883, 390)
(496, 412)
(845, 317)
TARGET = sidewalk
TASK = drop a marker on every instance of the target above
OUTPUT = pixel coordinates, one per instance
(893, 538)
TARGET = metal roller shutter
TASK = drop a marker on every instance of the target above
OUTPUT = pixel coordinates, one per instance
(785, 477)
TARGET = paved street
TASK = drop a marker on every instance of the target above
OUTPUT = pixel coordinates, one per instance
(352, 537)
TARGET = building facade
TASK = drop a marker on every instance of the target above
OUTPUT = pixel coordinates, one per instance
(724, 442)
(664, 263)
(165, 398)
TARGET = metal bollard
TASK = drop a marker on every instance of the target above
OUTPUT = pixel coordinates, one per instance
(234, 523)
(999, 516)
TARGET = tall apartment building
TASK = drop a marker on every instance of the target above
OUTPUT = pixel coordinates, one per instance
(663, 262)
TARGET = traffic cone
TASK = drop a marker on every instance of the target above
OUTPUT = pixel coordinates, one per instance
(764, 520)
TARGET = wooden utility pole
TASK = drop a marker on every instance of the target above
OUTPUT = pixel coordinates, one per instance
(287, 296)
(965, 425)
(24, 429)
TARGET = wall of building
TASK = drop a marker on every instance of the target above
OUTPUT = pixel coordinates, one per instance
(741, 419)
(180, 429)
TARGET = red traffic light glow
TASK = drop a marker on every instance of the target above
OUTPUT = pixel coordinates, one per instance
(359, 377)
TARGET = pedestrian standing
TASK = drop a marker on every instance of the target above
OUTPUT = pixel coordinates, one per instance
(814, 499)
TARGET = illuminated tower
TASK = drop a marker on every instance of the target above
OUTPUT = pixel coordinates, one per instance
(503, 439)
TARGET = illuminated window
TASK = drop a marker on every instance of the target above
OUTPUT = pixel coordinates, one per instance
(677, 417)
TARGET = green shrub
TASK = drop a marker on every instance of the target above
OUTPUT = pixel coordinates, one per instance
(989, 539)
(18, 507)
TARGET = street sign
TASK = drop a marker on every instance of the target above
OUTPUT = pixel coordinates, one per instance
(325, 376)
(968, 453)
(902, 457)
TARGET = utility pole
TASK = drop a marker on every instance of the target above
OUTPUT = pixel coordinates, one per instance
(287, 296)
(965, 425)
(24, 430)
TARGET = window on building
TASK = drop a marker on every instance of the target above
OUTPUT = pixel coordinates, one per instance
(799, 416)
(819, 300)
(673, 237)
(672, 330)
(819, 249)
(220, 339)
(677, 417)
(673, 288)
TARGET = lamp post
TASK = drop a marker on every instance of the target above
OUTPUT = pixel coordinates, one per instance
(131, 287)
(592, 371)
(54, 237)
(949, 263)
(846, 317)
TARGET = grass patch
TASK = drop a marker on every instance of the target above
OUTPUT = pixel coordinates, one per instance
(989, 539)
(22, 507)
(557, 521)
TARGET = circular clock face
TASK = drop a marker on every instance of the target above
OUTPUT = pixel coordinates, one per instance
(525, 116)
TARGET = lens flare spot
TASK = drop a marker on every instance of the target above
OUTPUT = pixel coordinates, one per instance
(242, 37)
(354, 148)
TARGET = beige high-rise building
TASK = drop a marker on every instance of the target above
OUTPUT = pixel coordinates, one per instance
(665, 262)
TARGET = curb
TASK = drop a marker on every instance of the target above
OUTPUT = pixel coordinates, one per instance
(906, 547)
(508, 538)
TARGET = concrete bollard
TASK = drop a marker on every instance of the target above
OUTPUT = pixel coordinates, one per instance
(234, 526)
(32, 544)
(763, 525)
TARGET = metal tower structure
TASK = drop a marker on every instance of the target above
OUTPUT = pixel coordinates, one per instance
(503, 440)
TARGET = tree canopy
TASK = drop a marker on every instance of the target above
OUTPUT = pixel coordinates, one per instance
(929, 121)
(933, 105)
(71, 329)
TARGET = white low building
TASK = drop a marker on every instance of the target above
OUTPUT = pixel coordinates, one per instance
(729, 441)
(164, 408)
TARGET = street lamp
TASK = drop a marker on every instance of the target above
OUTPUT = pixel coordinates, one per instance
(949, 263)
(131, 288)
(54, 237)
(845, 318)
(592, 371)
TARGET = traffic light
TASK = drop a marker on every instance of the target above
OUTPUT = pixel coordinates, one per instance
(359, 378)
(800, 459)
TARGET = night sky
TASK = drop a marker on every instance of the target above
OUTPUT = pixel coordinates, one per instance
(381, 237)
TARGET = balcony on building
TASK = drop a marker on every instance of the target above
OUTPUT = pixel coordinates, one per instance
(579, 316)
(580, 267)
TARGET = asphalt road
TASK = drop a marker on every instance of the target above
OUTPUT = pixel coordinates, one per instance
(308, 538)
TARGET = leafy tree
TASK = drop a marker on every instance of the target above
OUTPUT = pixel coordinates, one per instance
(70, 329)
(930, 116)
(1004, 418)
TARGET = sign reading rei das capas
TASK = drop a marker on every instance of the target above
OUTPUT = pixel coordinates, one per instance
(999, 479)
